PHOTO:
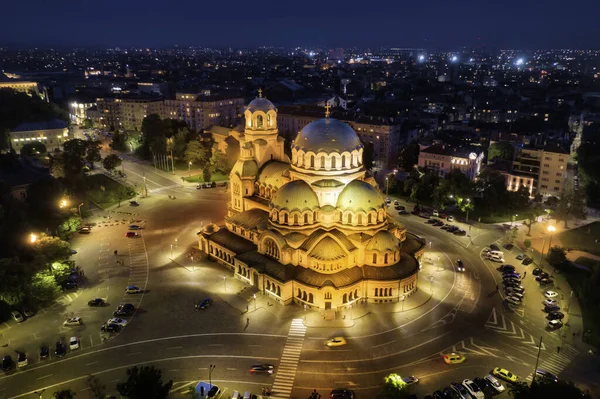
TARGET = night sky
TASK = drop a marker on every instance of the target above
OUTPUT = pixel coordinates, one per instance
(433, 24)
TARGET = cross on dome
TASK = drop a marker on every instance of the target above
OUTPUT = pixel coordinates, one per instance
(259, 92)
(327, 112)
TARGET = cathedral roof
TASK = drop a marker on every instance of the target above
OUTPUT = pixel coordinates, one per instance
(327, 135)
(248, 168)
(260, 104)
(328, 183)
(250, 219)
(317, 235)
(383, 241)
(295, 195)
(274, 174)
(359, 195)
(328, 249)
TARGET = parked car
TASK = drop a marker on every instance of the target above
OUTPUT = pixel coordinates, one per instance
(541, 276)
(96, 302)
(460, 390)
(73, 321)
(116, 320)
(60, 349)
(132, 234)
(527, 261)
(512, 300)
(336, 341)
(124, 310)
(506, 268)
(555, 324)
(341, 393)
(134, 203)
(551, 308)
(85, 230)
(44, 352)
(7, 363)
(545, 375)
(474, 390)
(494, 247)
(497, 385)
(205, 304)
(450, 218)
(460, 232)
(546, 281)
(536, 271)
(22, 359)
(17, 316)
(555, 316)
(550, 302)
(520, 256)
(508, 246)
(110, 328)
(460, 266)
(74, 343)
(515, 289)
(403, 212)
(550, 294)
(134, 227)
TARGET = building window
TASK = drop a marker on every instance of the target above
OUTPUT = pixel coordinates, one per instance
(327, 295)
(306, 218)
(322, 162)
(333, 166)
(374, 259)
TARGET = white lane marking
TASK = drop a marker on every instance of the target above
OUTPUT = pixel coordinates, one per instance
(387, 343)
(89, 364)
(175, 347)
(134, 353)
(46, 376)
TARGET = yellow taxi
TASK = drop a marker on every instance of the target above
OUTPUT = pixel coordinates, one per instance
(336, 341)
(504, 374)
(453, 358)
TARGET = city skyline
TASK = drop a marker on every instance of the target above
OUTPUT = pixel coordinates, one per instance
(433, 25)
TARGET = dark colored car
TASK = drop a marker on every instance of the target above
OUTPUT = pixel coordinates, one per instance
(449, 393)
(527, 261)
(438, 395)
(44, 352)
(460, 389)
(546, 281)
(110, 328)
(431, 221)
(69, 285)
(494, 247)
(506, 268)
(541, 276)
(7, 363)
(484, 385)
(452, 229)
(124, 310)
(60, 349)
(545, 375)
(508, 246)
(555, 316)
(261, 369)
(205, 304)
(402, 212)
(438, 223)
(536, 271)
(134, 203)
(461, 233)
(551, 308)
(400, 207)
(96, 302)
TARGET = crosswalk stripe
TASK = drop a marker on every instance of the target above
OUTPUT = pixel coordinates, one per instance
(286, 373)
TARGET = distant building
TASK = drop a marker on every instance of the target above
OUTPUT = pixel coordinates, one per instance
(545, 169)
(128, 111)
(201, 111)
(21, 86)
(78, 108)
(441, 159)
(50, 133)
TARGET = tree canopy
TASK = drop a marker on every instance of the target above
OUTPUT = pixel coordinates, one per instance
(409, 156)
(111, 162)
(501, 150)
(144, 383)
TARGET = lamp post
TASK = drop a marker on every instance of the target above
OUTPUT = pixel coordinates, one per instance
(32, 238)
(254, 301)
(63, 203)
(403, 297)
(225, 282)
(79, 209)
(171, 252)
(40, 393)
(387, 186)
(211, 368)
(551, 229)
(431, 284)
(468, 203)
(189, 168)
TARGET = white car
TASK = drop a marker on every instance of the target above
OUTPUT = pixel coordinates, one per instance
(73, 321)
(116, 320)
(550, 294)
(473, 389)
(74, 343)
(134, 227)
(497, 385)
(451, 218)
(17, 316)
(132, 289)
(550, 302)
(512, 300)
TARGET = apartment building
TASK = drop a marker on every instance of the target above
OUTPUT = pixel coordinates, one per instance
(202, 110)
(543, 168)
(441, 159)
(127, 112)
(50, 133)
(21, 86)
(382, 133)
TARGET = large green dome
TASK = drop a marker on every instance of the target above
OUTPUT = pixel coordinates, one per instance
(360, 196)
(327, 135)
(295, 195)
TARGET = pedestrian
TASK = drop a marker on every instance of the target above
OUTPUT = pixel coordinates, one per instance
(246, 308)
(558, 349)
(524, 274)
(115, 252)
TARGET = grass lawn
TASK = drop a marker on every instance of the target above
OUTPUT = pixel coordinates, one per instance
(199, 179)
(105, 191)
(582, 238)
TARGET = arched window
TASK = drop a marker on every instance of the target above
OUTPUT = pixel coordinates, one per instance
(304, 295)
(385, 258)
(322, 162)
(374, 258)
(333, 162)
(259, 121)
(355, 294)
(306, 218)
(349, 218)
(285, 218)
(376, 291)
(271, 248)
(310, 298)
(296, 219)
(312, 161)
(345, 298)
(343, 161)
(370, 218)
(269, 122)
(278, 291)
(360, 220)
(299, 293)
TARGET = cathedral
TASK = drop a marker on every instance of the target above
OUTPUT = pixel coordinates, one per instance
(313, 230)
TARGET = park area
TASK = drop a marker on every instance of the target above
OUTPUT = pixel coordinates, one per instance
(106, 192)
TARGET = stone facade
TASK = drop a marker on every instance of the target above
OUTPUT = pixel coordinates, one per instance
(313, 230)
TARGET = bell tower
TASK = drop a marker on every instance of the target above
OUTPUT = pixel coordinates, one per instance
(261, 130)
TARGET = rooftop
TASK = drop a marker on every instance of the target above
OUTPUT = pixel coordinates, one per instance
(45, 125)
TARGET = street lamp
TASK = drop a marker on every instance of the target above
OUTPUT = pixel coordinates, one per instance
(32, 238)
(40, 393)
(79, 209)
(254, 301)
(387, 186)
(431, 284)
(403, 297)
(551, 229)
(211, 368)
(63, 203)
(171, 252)
(225, 282)
(468, 202)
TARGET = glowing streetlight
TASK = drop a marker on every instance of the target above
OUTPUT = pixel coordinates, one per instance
(32, 238)
(63, 203)
(403, 297)
(551, 229)
(387, 186)
(254, 301)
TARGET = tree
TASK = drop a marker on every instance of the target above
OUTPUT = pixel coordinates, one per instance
(50, 249)
(144, 383)
(92, 152)
(571, 204)
(196, 153)
(74, 155)
(394, 388)
(368, 154)
(178, 143)
(409, 156)
(122, 193)
(96, 387)
(527, 243)
(111, 162)
(154, 139)
(42, 288)
(14, 276)
(192, 393)
(501, 150)
(219, 162)
(530, 217)
(119, 141)
(33, 148)
(206, 175)
(556, 256)
(64, 394)
(57, 165)
(87, 123)
(545, 388)
(69, 226)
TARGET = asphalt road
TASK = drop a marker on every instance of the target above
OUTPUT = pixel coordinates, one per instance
(465, 314)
